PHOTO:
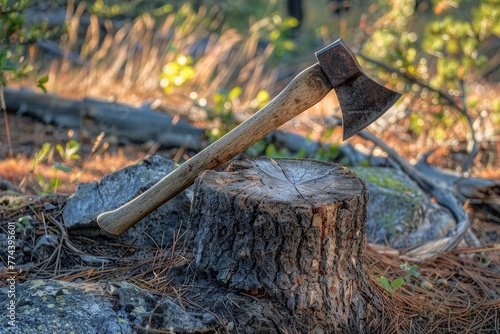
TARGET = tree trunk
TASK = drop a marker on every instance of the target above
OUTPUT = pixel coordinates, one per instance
(292, 230)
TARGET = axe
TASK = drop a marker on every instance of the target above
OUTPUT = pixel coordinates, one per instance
(361, 99)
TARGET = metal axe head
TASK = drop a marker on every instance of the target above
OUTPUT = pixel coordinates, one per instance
(361, 99)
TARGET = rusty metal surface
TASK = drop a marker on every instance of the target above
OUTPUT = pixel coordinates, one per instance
(361, 99)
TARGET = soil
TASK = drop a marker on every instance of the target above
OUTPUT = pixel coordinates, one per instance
(27, 136)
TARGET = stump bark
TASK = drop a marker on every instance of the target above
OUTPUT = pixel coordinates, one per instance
(292, 230)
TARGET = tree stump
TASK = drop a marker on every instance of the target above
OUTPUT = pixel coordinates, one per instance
(292, 230)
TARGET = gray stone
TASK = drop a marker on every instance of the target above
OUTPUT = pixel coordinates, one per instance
(400, 214)
(115, 189)
(50, 306)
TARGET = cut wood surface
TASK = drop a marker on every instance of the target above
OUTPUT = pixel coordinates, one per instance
(290, 229)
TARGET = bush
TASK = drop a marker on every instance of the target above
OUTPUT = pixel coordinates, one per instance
(16, 38)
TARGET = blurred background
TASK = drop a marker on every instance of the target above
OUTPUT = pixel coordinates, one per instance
(215, 63)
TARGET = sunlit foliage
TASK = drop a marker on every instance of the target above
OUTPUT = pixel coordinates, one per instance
(16, 37)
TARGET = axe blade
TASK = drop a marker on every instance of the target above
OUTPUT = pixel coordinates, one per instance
(361, 99)
(362, 102)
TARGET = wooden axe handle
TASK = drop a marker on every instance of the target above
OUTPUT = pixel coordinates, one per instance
(303, 92)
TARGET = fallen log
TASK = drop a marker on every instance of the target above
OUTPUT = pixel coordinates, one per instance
(46, 108)
(143, 124)
(483, 194)
(134, 124)
(292, 230)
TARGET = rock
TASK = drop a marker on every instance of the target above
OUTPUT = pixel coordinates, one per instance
(400, 214)
(115, 189)
(50, 306)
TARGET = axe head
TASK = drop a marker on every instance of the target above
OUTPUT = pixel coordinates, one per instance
(361, 99)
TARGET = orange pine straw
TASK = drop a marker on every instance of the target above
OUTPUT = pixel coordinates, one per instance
(457, 292)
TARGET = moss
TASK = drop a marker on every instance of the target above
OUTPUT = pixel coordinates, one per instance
(140, 309)
(37, 284)
(384, 177)
(395, 203)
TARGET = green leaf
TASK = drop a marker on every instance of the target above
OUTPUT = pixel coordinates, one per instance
(328, 133)
(25, 221)
(72, 149)
(7, 68)
(55, 182)
(41, 180)
(19, 228)
(60, 150)
(414, 271)
(301, 154)
(43, 79)
(257, 148)
(385, 283)
(41, 155)
(396, 284)
(41, 83)
(42, 87)
(62, 167)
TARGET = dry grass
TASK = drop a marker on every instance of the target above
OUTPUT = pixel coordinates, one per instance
(457, 292)
(125, 64)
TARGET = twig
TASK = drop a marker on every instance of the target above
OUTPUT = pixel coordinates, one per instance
(411, 79)
(475, 145)
(152, 330)
(7, 128)
(85, 257)
(452, 102)
(132, 243)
